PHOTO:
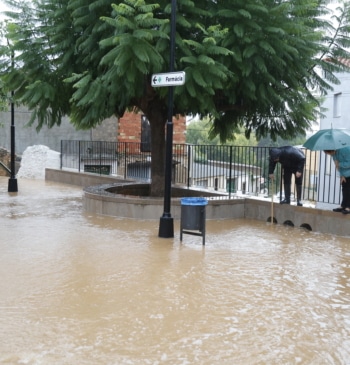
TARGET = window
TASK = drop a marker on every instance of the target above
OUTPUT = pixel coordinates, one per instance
(337, 105)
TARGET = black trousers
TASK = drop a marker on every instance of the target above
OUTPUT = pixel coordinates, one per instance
(287, 177)
(346, 193)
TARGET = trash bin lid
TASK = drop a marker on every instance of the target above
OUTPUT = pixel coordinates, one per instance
(194, 201)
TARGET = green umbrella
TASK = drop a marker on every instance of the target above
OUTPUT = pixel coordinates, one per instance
(328, 139)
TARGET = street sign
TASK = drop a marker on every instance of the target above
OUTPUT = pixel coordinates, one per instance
(168, 79)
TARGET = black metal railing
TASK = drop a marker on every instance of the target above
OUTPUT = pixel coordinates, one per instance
(233, 170)
(3, 166)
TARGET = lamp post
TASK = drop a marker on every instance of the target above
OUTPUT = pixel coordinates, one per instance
(12, 185)
(166, 225)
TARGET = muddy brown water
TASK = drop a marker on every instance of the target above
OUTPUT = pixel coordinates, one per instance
(88, 290)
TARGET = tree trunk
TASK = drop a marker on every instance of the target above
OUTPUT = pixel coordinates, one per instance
(157, 122)
(156, 111)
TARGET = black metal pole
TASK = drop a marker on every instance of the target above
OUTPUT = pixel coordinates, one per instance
(166, 225)
(12, 185)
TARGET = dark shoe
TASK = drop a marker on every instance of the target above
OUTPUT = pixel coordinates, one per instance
(346, 211)
(285, 201)
(338, 210)
(299, 203)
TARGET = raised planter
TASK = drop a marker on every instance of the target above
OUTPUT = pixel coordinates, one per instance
(107, 199)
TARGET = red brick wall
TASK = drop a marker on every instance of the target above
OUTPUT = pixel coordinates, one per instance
(179, 129)
(129, 128)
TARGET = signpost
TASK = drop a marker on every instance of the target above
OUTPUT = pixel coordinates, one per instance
(166, 225)
(12, 184)
(168, 79)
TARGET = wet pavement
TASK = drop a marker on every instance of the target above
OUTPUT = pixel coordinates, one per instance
(83, 289)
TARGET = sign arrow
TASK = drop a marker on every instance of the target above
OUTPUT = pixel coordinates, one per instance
(154, 80)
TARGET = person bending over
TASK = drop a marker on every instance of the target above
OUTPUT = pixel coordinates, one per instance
(292, 160)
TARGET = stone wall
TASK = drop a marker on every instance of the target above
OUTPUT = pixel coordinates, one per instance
(26, 136)
(311, 219)
(126, 129)
(106, 131)
(5, 158)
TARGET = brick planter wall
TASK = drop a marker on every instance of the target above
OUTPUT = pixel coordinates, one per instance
(129, 128)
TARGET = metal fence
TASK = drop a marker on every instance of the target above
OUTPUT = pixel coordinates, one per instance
(233, 170)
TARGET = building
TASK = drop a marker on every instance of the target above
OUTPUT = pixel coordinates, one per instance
(337, 115)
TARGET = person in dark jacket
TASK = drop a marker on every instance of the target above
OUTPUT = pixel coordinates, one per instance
(292, 160)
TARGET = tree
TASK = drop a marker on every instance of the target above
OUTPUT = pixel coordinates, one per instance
(279, 142)
(254, 64)
(198, 132)
(4, 97)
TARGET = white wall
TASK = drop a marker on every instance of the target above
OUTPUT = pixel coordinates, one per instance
(337, 115)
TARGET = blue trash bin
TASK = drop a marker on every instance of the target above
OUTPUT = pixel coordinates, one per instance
(193, 216)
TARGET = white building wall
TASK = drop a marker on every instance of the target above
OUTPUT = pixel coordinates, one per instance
(337, 115)
(337, 103)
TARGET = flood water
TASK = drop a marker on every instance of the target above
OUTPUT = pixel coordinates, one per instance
(79, 289)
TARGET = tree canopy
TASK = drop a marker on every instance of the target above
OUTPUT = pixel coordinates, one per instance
(252, 64)
(198, 131)
(4, 97)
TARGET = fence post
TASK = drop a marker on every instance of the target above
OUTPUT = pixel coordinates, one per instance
(100, 148)
(61, 163)
(125, 161)
(188, 164)
(79, 156)
(230, 174)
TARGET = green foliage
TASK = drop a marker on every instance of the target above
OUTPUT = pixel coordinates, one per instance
(3, 99)
(250, 64)
(4, 95)
(198, 134)
(279, 142)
